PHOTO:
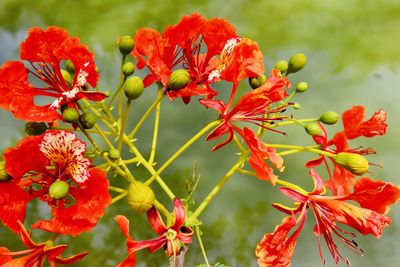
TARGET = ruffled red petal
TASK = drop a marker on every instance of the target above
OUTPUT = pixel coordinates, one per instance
(342, 181)
(215, 33)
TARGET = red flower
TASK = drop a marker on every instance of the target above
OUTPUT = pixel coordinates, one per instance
(36, 253)
(172, 238)
(328, 211)
(45, 50)
(35, 164)
(183, 44)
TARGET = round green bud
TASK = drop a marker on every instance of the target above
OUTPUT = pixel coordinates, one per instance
(59, 189)
(70, 115)
(35, 128)
(69, 66)
(256, 82)
(282, 66)
(67, 77)
(178, 79)
(87, 120)
(301, 87)
(126, 44)
(4, 176)
(114, 154)
(296, 106)
(355, 163)
(128, 69)
(312, 128)
(296, 63)
(133, 87)
(140, 197)
(329, 117)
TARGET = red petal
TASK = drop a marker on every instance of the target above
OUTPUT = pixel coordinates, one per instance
(4, 258)
(155, 221)
(123, 224)
(342, 181)
(179, 213)
(191, 90)
(314, 162)
(71, 259)
(130, 261)
(216, 32)
(214, 104)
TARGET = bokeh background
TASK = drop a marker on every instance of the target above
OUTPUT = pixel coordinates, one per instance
(353, 50)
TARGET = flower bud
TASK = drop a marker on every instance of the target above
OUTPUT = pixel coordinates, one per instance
(256, 82)
(140, 197)
(87, 120)
(178, 79)
(70, 115)
(128, 69)
(59, 189)
(329, 117)
(126, 44)
(133, 87)
(296, 63)
(35, 128)
(282, 66)
(296, 106)
(4, 176)
(301, 87)
(67, 77)
(114, 154)
(312, 128)
(69, 66)
(355, 163)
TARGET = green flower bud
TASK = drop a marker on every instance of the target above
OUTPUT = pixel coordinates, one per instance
(67, 77)
(140, 197)
(4, 176)
(282, 65)
(296, 63)
(133, 87)
(355, 163)
(70, 115)
(59, 189)
(128, 69)
(35, 128)
(114, 154)
(312, 128)
(87, 120)
(178, 79)
(296, 106)
(256, 82)
(329, 117)
(126, 44)
(301, 87)
(69, 66)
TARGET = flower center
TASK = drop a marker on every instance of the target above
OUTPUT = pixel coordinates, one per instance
(171, 234)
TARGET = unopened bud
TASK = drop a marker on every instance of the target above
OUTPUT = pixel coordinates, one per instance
(126, 44)
(312, 128)
(128, 69)
(59, 189)
(355, 163)
(114, 154)
(70, 115)
(329, 117)
(178, 79)
(87, 120)
(35, 128)
(140, 197)
(296, 63)
(301, 87)
(133, 87)
(69, 66)
(282, 66)
(4, 176)
(296, 106)
(256, 82)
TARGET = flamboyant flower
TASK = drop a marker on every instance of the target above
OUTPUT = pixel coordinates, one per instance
(183, 46)
(374, 197)
(37, 163)
(173, 238)
(45, 51)
(36, 253)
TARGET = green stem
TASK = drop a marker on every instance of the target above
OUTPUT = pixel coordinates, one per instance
(119, 197)
(294, 121)
(302, 148)
(116, 189)
(155, 132)
(123, 125)
(292, 186)
(203, 251)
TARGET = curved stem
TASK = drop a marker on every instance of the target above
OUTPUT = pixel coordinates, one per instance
(119, 197)
(155, 132)
(292, 186)
(203, 251)
(160, 207)
(123, 125)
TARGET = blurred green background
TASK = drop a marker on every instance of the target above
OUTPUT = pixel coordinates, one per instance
(353, 50)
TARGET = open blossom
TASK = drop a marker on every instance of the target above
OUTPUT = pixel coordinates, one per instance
(45, 50)
(38, 162)
(172, 238)
(36, 253)
(374, 197)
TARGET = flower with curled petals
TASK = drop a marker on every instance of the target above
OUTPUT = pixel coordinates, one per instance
(36, 253)
(374, 198)
(45, 50)
(35, 165)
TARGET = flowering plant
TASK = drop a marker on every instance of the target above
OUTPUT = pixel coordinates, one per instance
(187, 61)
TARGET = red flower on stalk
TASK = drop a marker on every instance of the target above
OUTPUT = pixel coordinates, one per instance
(36, 254)
(35, 165)
(45, 50)
(183, 45)
(374, 197)
(173, 238)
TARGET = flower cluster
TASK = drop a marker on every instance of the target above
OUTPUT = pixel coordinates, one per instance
(54, 165)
